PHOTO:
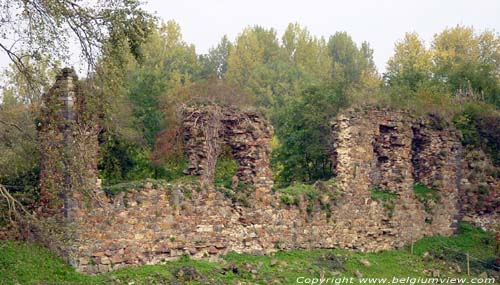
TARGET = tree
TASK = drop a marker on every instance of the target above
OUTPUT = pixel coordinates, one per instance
(215, 62)
(468, 62)
(153, 86)
(303, 130)
(307, 53)
(250, 60)
(46, 29)
(352, 67)
(410, 65)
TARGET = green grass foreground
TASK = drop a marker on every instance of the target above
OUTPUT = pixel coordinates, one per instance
(23, 263)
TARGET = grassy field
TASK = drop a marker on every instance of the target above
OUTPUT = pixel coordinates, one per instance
(22, 263)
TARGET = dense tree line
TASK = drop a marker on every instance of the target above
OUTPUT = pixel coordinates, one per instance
(300, 82)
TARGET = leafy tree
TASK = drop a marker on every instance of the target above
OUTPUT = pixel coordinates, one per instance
(153, 86)
(215, 62)
(307, 53)
(249, 63)
(353, 68)
(468, 62)
(303, 130)
(410, 65)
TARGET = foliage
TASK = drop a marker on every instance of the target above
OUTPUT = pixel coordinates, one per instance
(479, 124)
(215, 62)
(125, 161)
(387, 198)
(44, 30)
(143, 73)
(27, 263)
(303, 130)
(460, 64)
(293, 194)
(225, 169)
(468, 62)
(427, 196)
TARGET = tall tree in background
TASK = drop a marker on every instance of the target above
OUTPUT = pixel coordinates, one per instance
(410, 66)
(468, 62)
(215, 62)
(249, 63)
(154, 86)
(352, 67)
(307, 53)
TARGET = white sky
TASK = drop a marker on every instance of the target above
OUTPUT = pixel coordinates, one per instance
(381, 23)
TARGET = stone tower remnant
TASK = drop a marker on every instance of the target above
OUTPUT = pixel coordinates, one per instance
(208, 127)
(69, 146)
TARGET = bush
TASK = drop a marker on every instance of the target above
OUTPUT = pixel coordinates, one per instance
(479, 124)
(427, 196)
(225, 169)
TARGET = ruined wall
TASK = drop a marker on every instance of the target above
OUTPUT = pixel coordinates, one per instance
(157, 222)
(248, 135)
(390, 151)
(67, 134)
(372, 149)
(480, 190)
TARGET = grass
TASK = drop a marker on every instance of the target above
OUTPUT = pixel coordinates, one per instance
(387, 198)
(23, 263)
(132, 186)
(292, 194)
(429, 197)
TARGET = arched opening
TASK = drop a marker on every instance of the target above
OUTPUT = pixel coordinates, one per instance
(225, 168)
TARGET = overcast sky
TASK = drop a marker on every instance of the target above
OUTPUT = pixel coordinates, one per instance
(381, 23)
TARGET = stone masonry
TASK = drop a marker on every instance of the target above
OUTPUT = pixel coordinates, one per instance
(155, 221)
(248, 135)
(69, 145)
(390, 151)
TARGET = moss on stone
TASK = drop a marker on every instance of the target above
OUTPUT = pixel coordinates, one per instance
(425, 195)
(387, 198)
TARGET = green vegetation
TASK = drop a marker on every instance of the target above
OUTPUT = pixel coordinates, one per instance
(294, 194)
(225, 170)
(146, 70)
(23, 263)
(317, 197)
(186, 182)
(387, 198)
(427, 196)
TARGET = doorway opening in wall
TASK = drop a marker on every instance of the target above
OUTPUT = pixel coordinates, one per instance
(225, 168)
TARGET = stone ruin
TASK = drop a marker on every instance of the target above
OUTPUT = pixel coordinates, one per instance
(69, 147)
(152, 222)
(390, 151)
(207, 128)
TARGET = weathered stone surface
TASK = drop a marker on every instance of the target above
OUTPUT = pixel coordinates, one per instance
(67, 134)
(480, 190)
(390, 151)
(207, 128)
(370, 149)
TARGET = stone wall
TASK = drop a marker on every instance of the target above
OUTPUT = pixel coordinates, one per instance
(480, 190)
(157, 221)
(69, 147)
(378, 149)
(372, 150)
(207, 128)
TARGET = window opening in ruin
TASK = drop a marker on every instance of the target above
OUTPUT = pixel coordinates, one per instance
(225, 168)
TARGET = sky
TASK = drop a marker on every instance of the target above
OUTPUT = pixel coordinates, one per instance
(381, 23)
